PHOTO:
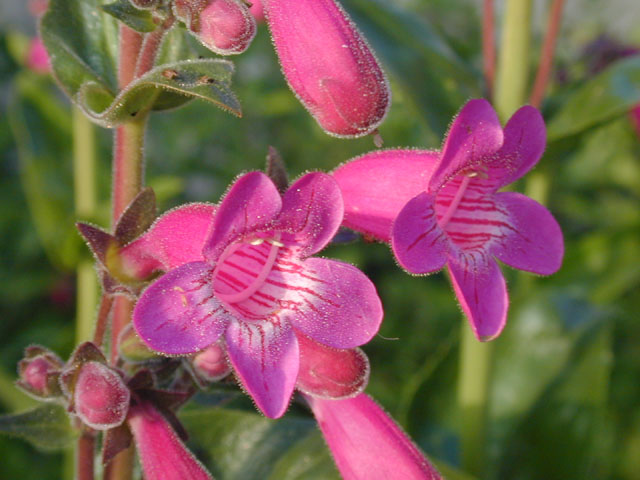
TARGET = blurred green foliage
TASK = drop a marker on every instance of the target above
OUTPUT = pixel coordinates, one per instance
(565, 390)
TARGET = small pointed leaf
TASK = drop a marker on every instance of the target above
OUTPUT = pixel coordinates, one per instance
(137, 217)
(276, 170)
(115, 440)
(46, 427)
(123, 10)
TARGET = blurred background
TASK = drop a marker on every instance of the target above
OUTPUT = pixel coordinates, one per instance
(564, 390)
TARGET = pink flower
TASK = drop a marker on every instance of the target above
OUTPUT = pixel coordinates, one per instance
(255, 285)
(366, 443)
(441, 208)
(329, 65)
(223, 26)
(100, 396)
(257, 10)
(162, 454)
(37, 57)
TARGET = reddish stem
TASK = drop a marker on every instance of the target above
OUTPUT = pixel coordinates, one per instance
(151, 46)
(103, 317)
(130, 44)
(489, 45)
(84, 457)
(546, 55)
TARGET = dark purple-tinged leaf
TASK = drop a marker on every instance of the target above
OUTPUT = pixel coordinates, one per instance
(46, 427)
(276, 170)
(137, 217)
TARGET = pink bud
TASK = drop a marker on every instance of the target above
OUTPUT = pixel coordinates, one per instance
(38, 373)
(256, 10)
(211, 364)
(162, 455)
(101, 398)
(38, 57)
(329, 65)
(223, 26)
(366, 443)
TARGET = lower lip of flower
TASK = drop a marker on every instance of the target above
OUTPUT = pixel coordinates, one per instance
(258, 281)
(455, 202)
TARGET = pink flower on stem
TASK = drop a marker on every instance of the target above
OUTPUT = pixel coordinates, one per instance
(443, 208)
(366, 443)
(255, 284)
(329, 65)
(162, 454)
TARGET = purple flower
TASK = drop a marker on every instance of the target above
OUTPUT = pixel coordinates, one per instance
(255, 285)
(442, 208)
(366, 443)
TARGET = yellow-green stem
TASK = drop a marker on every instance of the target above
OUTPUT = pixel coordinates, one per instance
(473, 393)
(84, 188)
(513, 61)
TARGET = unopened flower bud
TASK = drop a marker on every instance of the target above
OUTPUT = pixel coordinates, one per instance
(101, 398)
(39, 372)
(223, 26)
(329, 65)
(257, 10)
(211, 364)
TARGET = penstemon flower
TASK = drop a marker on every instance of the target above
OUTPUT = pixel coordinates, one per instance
(443, 208)
(162, 454)
(329, 65)
(366, 443)
(255, 285)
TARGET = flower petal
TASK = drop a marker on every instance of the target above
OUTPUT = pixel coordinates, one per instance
(312, 209)
(376, 186)
(328, 372)
(175, 238)
(366, 443)
(525, 138)
(162, 454)
(332, 302)
(417, 240)
(474, 134)
(265, 357)
(252, 203)
(178, 313)
(535, 243)
(482, 293)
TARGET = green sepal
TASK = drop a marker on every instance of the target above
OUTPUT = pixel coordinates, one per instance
(138, 20)
(46, 427)
(137, 217)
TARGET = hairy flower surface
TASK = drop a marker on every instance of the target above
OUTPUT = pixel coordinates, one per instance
(255, 284)
(366, 443)
(329, 65)
(162, 454)
(443, 208)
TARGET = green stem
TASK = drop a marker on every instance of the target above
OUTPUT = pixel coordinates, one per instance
(513, 62)
(473, 395)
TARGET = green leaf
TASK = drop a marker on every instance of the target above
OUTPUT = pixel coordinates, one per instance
(205, 79)
(430, 73)
(123, 10)
(608, 95)
(42, 131)
(245, 445)
(82, 45)
(46, 427)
